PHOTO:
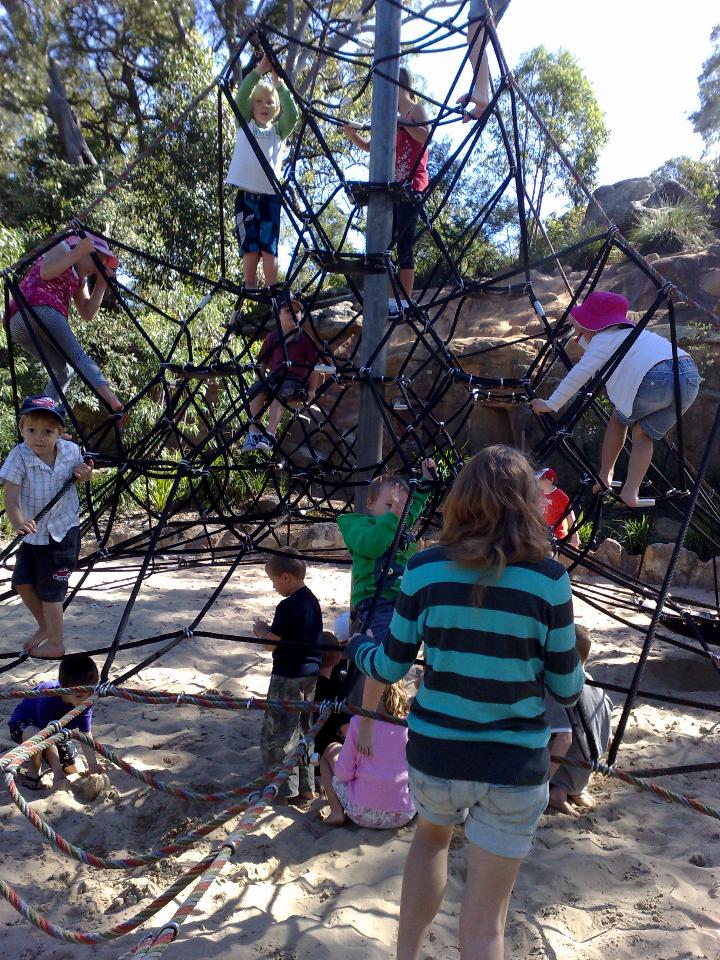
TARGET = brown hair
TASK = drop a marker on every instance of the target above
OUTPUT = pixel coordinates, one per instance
(378, 484)
(583, 642)
(39, 417)
(329, 657)
(492, 514)
(280, 563)
(395, 700)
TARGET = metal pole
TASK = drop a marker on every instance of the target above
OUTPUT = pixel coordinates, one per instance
(379, 230)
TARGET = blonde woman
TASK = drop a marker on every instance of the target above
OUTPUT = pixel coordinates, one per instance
(495, 615)
(271, 114)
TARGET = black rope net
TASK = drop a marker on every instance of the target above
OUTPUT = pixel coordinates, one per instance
(198, 499)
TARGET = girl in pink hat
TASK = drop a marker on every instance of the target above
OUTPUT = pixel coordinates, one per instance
(52, 281)
(641, 388)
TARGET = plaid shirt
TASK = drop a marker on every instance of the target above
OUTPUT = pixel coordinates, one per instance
(38, 485)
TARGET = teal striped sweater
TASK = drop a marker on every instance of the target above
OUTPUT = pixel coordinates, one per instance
(479, 712)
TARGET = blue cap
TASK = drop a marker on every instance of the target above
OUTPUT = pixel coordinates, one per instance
(43, 405)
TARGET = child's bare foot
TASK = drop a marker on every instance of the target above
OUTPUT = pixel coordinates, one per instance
(335, 819)
(582, 800)
(45, 650)
(559, 801)
(604, 483)
(38, 637)
(632, 498)
(476, 111)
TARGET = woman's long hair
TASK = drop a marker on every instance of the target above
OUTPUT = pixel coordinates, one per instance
(492, 515)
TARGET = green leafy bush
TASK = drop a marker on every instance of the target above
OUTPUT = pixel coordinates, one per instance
(686, 226)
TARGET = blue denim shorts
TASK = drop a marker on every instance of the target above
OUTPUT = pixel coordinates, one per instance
(499, 819)
(654, 405)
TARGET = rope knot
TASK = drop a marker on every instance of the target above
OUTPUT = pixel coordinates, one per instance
(187, 633)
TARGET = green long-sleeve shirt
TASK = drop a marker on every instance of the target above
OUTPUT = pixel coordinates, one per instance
(369, 539)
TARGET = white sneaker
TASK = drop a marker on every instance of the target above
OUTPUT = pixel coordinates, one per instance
(251, 442)
(266, 443)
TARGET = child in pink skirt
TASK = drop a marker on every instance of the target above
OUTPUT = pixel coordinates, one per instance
(371, 790)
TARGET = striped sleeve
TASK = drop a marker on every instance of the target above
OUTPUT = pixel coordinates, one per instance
(389, 661)
(564, 675)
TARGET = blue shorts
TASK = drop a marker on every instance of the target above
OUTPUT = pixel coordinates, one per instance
(257, 222)
(500, 819)
(654, 405)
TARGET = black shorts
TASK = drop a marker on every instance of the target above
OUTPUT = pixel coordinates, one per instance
(281, 386)
(67, 751)
(405, 220)
(47, 566)
(257, 222)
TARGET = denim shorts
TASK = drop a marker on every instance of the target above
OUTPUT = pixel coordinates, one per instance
(257, 222)
(500, 819)
(654, 405)
(67, 750)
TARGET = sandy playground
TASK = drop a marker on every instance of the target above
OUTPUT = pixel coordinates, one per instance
(636, 877)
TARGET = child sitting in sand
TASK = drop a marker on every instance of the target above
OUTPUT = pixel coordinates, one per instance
(34, 472)
(289, 355)
(568, 784)
(642, 386)
(34, 713)
(371, 790)
(296, 633)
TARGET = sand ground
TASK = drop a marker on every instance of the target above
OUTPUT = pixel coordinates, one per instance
(635, 877)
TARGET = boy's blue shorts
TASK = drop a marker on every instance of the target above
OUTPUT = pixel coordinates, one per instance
(257, 222)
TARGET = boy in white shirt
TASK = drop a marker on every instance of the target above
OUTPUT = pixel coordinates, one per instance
(33, 473)
(641, 388)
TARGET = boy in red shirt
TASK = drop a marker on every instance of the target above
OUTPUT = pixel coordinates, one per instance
(286, 362)
(555, 503)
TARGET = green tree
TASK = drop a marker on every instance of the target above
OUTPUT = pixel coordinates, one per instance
(700, 177)
(706, 120)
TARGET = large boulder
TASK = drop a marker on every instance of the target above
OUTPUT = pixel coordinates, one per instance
(620, 202)
(657, 559)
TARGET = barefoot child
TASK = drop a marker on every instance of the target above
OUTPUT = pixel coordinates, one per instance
(371, 790)
(297, 628)
(641, 388)
(34, 714)
(479, 97)
(34, 472)
(271, 114)
(287, 360)
(568, 784)
(53, 280)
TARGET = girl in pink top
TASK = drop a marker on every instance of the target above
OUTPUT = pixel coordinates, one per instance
(411, 153)
(44, 332)
(371, 790)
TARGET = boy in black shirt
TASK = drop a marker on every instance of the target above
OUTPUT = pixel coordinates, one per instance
(297, 632)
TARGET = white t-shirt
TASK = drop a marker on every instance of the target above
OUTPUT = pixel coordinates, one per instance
(622, 386)
(245, 171)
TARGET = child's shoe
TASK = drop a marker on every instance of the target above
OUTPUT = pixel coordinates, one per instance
(251, 443)
(267, 443)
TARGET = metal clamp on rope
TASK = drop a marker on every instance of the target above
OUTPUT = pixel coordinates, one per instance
(103, 553)
(103, 689)
(54, 726)
(173, 926)
(233, 845)
(187, 633)
(251, 701)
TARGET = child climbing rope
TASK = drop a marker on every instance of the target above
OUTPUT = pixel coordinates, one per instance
(271, 114)
(33, 473)
(479, 95)
(641, 388)
(53, 280)
(371, 790)
(33, 714)
(286, 375)
(369, 538)
(411, 155)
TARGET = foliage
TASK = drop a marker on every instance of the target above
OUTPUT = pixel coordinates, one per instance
(706, 120)
(700, 177)
(564, 99)
(632, 533)
(685, 226)
(584, 529)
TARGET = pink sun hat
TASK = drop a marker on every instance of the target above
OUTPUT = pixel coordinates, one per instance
(601, 309)
(100, 245)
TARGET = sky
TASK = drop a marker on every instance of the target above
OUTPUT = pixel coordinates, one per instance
(643, 58)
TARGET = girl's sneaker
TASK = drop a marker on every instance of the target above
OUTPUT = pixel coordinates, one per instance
(251, 443)
(266, 443)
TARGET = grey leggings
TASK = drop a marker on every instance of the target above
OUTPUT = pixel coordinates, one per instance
(54, 338)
